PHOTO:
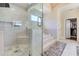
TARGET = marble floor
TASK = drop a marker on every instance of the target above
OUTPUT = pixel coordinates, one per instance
(20, 50)
(70, 49)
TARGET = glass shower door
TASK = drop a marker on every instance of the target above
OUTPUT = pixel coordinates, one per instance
(21, 30)
(14, 30)
(36, 27)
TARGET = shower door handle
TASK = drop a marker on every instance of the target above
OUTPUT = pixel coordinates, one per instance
(39, 22)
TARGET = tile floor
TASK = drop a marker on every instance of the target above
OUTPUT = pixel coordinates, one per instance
(70, 49)
(21, 50)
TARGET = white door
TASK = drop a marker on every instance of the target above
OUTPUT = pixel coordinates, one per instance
(67, 31)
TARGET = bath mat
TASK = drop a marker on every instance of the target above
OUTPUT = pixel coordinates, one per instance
(55, 49)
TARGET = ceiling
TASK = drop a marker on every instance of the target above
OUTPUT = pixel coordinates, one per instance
(54, 5)
(47, 7)
(23, 5)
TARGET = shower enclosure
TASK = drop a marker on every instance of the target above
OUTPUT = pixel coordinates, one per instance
(21, 31)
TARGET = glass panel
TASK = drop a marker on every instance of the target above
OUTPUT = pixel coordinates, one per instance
(35, 16)
(14, 31)
(21, 30)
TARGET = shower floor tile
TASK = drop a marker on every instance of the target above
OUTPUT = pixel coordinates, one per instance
(21, 50)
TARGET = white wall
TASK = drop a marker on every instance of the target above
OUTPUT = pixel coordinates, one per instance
(13, 13)
(50, 20)
(54, 20)
(69, 11)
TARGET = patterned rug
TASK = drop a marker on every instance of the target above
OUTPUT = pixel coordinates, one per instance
(55, 49)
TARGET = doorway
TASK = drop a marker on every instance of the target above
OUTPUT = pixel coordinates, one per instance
(71, 29)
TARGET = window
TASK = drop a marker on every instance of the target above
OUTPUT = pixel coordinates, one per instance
(34, 18)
